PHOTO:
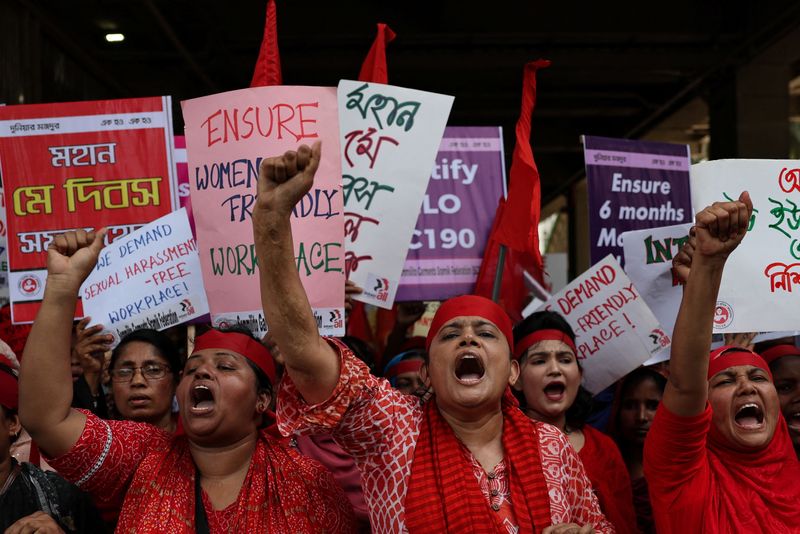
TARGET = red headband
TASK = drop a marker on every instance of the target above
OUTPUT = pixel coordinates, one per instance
(779, 351)
(730, 356)
(547, 334)
(9, 386)
(404, 366)
(470, 306)
(239, 343)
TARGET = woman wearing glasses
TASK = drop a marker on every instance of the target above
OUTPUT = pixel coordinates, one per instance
(145, 369)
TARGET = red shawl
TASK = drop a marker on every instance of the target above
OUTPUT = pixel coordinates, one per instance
(759, 491)
(444, 496)
(282, 492)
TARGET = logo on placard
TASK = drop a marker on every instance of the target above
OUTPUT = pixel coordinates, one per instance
(186, 307)
(336, 319)
(381, 289)
(659, 338)
(30, 285)
(723, 315)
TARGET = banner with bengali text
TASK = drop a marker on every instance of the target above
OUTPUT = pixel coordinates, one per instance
(227, 136)
(80, 165)
(615, 330)
(761, 283)
(457, 211)
(389, 137)
(148, 279)
(633, 185)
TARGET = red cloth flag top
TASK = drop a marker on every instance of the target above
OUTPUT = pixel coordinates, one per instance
(268, 65)
(516, 223)
(374, 70)
(374, 67)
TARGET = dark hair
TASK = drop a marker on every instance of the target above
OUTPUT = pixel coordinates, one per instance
(581, 407)
(263, 385)
(362, 351)
(624, 387)
(158, 340)
(8, 413)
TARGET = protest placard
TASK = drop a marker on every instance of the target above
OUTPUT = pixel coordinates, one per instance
(633, 185)
(227, 136)
(615, 330)
(389, 136)
(3, 252)
(457, 211)
(80, 165)
(148, 279)
(759, 290)
(648, 263)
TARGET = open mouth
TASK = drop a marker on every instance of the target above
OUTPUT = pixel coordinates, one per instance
(469, 369)
(555, 391)
(749, 416)
(202, 399)
(793, 420)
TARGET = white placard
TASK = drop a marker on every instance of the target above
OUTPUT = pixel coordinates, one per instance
(616, 331)
(760, 289)
(149, 279)
(389, 140)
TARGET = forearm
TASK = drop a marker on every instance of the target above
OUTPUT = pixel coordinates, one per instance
(309, 359)
(687, 390)
(45, 392)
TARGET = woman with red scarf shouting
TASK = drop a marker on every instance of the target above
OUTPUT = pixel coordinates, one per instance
(223, 473)
(718, 457)
(467, 460)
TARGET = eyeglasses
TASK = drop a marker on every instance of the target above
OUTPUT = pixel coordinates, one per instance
(152, 371)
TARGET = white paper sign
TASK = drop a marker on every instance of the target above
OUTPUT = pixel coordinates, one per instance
(760, 289)
(149, 279)
(389, 140)
(648, 263)
(616, 331)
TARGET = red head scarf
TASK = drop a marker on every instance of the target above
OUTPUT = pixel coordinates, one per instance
(764, 483)
(730, 356)
(471, 306)
(779, 351)
(9, 387)
(543, 335)
(239, 343)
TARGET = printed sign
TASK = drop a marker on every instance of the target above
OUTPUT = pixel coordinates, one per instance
(616, 332)
(227, 136)
(761, 282)
(648, 263)
(3, 252)
(149, 279)
(80, 165)
(633, 185)
(390, 136)
(457, 212)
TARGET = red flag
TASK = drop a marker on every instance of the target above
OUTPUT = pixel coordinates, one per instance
(268, 66)
(374, 67)
(516, 223)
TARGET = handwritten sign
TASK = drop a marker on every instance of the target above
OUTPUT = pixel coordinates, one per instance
(390, 136)
(648, 263)
(457, 212)
(633, 185)
(616, 332)
(761, 283)
(80, 165)
(227, 136)
(149, 279)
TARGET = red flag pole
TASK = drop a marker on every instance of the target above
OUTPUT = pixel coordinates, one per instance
(498, 273)
(268, 65)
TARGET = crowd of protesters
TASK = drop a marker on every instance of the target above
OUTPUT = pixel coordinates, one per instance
(481, 426)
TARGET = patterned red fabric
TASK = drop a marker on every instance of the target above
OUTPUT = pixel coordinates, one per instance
(699, 484)
(380, 427)
(609, 477)
(441, 498)
(150, 473)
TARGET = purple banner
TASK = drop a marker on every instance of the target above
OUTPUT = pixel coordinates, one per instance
(633, 185)
(456, 215)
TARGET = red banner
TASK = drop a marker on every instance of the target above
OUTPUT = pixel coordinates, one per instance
(80, 165)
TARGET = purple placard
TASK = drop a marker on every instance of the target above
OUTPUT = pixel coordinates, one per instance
(456, 215)
(633, 185)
